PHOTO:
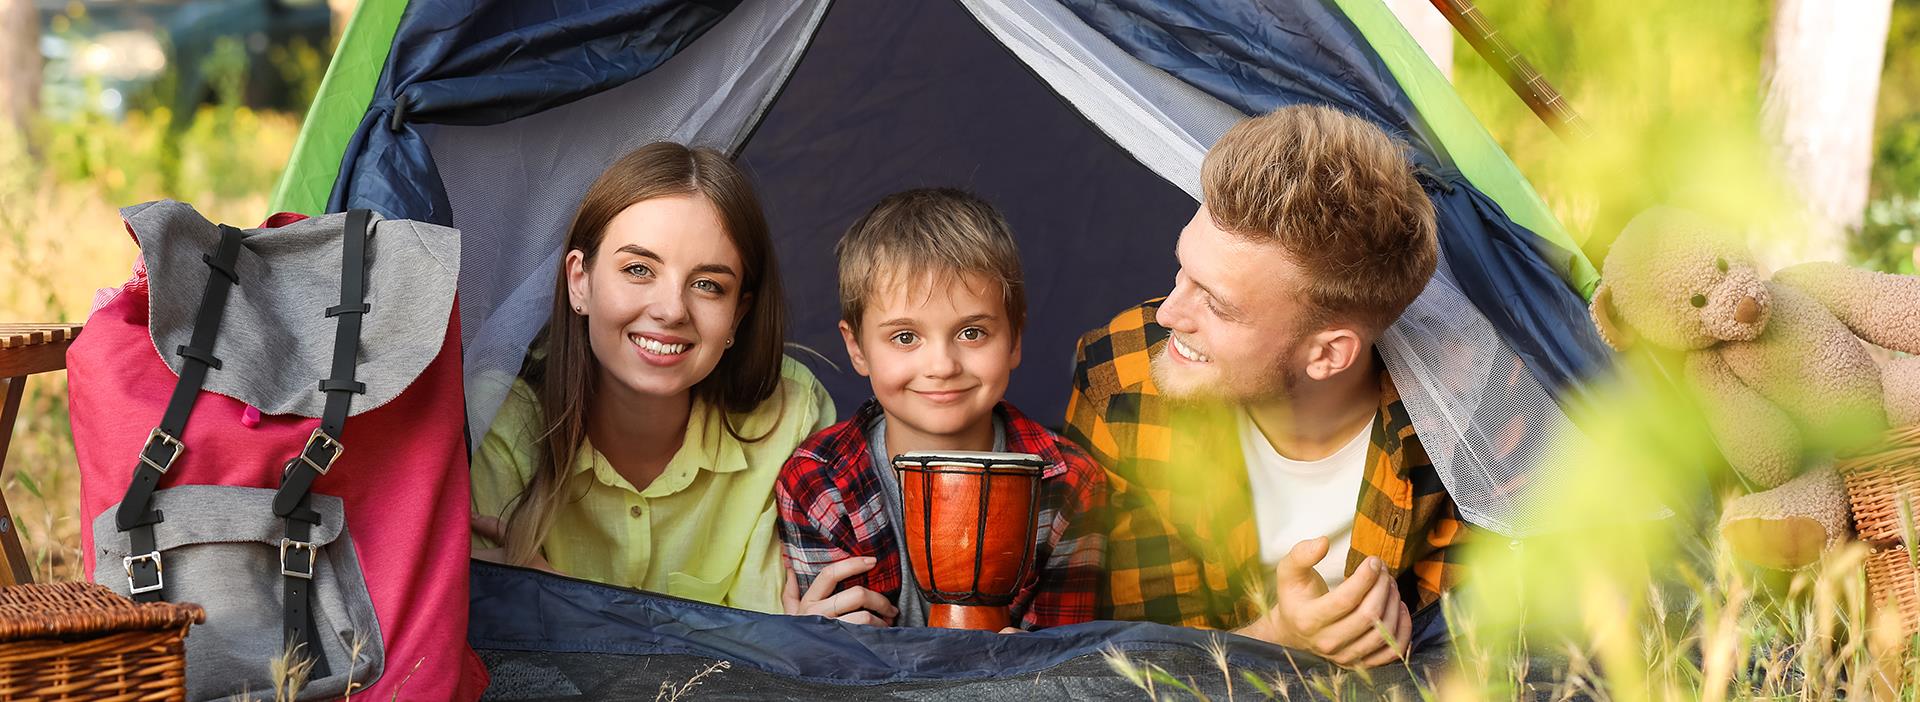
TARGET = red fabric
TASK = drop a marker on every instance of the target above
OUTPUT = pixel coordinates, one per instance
(403, 479)
(829, 499)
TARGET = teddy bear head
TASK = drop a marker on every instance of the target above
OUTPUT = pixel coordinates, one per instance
(1678, 280)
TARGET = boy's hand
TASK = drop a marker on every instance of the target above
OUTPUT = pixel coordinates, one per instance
(857, 605)
(1360, 624)
(491, 529)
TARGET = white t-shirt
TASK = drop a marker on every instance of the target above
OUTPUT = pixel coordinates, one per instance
(1298, 500)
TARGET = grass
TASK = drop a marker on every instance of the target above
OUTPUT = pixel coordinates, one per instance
(1727, 634)
(61, 239)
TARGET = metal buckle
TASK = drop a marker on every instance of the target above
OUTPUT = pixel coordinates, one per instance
(326, 442)
(165, 438)
(302, 545)
(159, 579)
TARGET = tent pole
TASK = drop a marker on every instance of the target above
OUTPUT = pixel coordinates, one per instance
(1520, 75)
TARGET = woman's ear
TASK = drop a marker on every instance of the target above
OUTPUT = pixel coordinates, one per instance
(579, 292)
(740, 311)
(853, 348)
(1616, 334)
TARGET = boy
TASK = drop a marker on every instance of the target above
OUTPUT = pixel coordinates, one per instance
(931, 311)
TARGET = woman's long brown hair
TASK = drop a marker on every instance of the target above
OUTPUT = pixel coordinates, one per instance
(748, 373)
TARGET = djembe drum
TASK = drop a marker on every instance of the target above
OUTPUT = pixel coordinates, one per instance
(970, 528)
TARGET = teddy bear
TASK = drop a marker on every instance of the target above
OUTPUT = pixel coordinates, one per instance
(1783, 379)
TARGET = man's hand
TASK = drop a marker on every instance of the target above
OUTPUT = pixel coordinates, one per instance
(855, 604)
(491, 529)
(1360, 624)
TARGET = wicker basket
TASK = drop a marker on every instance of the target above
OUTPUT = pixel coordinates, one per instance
(80, 641)
(1878, 485)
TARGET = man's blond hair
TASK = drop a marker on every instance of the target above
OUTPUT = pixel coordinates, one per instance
(1340, 196)
(941, 231)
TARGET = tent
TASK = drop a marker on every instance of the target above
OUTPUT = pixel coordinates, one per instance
(1085, 121)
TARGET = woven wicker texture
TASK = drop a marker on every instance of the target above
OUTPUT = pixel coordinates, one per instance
(79, 641)
(1883, 487)
(1893, 579)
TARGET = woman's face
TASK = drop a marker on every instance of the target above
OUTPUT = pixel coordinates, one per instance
(662, 296)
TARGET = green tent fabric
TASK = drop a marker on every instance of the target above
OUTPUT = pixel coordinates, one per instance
(344, 94)
(1474, 151)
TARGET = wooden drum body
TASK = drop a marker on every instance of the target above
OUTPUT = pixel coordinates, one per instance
(970, 530)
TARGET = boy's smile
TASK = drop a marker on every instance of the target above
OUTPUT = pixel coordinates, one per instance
(938, 349)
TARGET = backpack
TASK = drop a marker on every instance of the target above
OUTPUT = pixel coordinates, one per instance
(270, 423)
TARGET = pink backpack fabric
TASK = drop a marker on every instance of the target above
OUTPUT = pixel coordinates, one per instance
(402, 481)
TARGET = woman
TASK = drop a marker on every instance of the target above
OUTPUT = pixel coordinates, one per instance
(642, 451)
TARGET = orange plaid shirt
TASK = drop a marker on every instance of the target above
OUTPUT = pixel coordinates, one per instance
(1183, 547)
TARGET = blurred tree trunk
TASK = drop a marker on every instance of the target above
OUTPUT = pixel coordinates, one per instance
(20, 70)
(342, 11)
(1429, 28)
(1822, 71)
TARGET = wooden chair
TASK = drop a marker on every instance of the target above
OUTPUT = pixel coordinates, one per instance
(25, 349)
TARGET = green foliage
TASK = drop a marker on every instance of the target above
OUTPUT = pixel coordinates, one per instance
(1671, 89)
(1887, 234)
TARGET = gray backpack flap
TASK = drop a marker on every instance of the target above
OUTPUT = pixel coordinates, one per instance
(221, 546)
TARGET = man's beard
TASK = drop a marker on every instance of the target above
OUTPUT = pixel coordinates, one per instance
(1183, 389)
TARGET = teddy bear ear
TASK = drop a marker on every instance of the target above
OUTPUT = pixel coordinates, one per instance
(1616, 335)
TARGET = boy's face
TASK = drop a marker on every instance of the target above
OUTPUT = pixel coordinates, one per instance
(939, 349)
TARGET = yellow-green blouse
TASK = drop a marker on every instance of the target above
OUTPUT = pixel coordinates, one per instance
(706, 529)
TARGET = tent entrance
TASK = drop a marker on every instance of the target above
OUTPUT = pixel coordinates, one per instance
(894, 95)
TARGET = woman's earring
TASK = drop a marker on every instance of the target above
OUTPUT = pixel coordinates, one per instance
(729, 342)
(579, 310)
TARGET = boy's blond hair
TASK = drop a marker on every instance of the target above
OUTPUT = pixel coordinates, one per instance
(944, 231)
(1341, 197)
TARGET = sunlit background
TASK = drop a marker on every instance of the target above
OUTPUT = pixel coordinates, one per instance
(1797, 120)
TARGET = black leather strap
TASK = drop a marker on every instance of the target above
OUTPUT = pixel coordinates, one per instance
(297, 552)
(163, 445)
(324, 446)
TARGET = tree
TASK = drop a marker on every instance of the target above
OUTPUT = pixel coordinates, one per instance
(20, 69)
(1822, 70)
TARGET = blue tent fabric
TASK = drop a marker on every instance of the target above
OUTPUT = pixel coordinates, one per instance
(522, 611)
(1260, 56)
(483, 62)
(517, 608)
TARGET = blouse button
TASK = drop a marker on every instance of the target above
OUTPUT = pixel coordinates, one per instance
(635, 511)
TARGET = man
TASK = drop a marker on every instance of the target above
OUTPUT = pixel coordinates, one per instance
(1257, 447)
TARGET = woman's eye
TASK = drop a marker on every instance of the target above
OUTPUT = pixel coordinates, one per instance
(973, 334)
(905, 338)
(638, 270)
(708, 286)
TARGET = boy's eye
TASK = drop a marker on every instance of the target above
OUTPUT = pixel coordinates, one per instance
(905, 338)
(973, 334)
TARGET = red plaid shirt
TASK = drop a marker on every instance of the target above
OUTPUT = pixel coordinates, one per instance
(830, 509)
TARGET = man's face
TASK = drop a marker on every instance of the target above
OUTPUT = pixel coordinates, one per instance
(1237, 319)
